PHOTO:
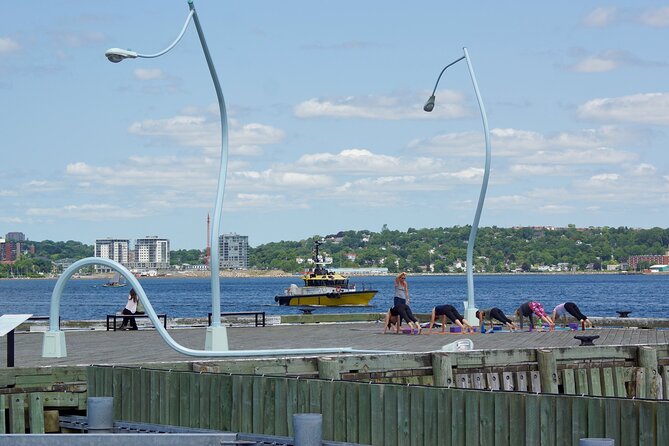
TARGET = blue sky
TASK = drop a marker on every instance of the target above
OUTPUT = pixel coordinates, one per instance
(327, 131)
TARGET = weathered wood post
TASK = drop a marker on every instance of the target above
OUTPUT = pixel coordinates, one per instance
(548, 376)
(328, 368)
(648, 361)
(442, 369)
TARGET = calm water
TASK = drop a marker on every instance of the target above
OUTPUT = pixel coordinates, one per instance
(596, 295)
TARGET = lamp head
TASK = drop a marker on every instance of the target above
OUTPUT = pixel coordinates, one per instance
(116, 55)
(429, 105)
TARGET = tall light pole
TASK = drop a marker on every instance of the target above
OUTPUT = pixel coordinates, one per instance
(470, 306)
(217, 338)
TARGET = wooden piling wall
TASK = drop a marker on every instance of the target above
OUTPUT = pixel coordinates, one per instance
(378, 414)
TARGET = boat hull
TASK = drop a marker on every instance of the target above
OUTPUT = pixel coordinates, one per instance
(358, 298)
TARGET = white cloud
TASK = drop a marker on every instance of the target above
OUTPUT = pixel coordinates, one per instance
(658, 18)
(648, 108)
(78, 39)
(449, 105)
(144, 172)
(610, 60)
(595, 64)
(8, 45)
(643, 169)
(507, 201)
(538, 170)
(556, 209)
(42, 186)
(148, 74)
(92, 212)
(270, 178)
(515, 142)
(600, 155)
(7, 193)
(11, 220)
(198, 131)
(605, 177)
(600, 17)
(264, 202)
(356, 161)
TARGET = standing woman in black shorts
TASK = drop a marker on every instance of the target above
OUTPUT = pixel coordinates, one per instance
(455, 317)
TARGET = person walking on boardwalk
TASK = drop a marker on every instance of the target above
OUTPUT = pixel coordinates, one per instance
(493, 313)
(455, 317)
(130, 308)
(528, 309)
(572, 309)
(401, 295)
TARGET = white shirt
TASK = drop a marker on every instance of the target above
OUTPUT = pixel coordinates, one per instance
(131, 305)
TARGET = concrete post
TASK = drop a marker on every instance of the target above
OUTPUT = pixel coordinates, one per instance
(100, 414)
(596, 442)
(308, 429)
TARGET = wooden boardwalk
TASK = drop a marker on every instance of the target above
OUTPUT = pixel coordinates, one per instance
(146, 346)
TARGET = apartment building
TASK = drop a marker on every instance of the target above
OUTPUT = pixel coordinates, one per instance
(233, 251)
(152, 252)
(113, 249)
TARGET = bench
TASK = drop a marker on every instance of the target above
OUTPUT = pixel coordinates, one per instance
(257, 314)
(43, 318)
(113, 317)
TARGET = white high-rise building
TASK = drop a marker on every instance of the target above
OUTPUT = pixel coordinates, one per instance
(113, 249)
(234, 251)
(152, 252)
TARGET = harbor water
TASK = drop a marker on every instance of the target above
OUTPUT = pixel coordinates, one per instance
(596, 294)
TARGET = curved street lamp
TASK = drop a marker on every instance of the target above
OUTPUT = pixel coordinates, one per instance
(216, 338)
(470, 306)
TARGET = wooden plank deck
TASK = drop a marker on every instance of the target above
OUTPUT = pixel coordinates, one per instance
(144, 346)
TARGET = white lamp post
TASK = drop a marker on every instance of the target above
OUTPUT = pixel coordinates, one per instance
(470, 306)
(216, 338)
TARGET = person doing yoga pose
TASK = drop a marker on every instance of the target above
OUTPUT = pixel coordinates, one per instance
(534, 308)
(572, 309)
(493, 313)
(455, 317)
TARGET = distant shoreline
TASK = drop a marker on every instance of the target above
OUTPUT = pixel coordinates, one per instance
(245, 274)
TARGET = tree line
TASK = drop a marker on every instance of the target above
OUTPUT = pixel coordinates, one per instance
(444, 250)
(438, 250)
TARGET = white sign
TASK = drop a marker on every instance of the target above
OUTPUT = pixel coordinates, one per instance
(9, 322)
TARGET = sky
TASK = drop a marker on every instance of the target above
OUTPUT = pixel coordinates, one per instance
(326, 127)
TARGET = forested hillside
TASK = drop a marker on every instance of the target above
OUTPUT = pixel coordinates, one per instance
(444, 249)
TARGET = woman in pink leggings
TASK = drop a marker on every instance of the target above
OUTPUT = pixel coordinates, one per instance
(534, 308)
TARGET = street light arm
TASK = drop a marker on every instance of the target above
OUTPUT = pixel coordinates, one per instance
(117, 55)
(442, 72)
(181, 34)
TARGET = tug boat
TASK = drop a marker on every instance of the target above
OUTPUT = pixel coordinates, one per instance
(324, 288)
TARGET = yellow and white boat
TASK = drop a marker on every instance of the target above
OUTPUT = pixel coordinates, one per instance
(324, 288)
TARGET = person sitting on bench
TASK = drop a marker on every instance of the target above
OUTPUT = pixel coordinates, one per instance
(132, 307)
